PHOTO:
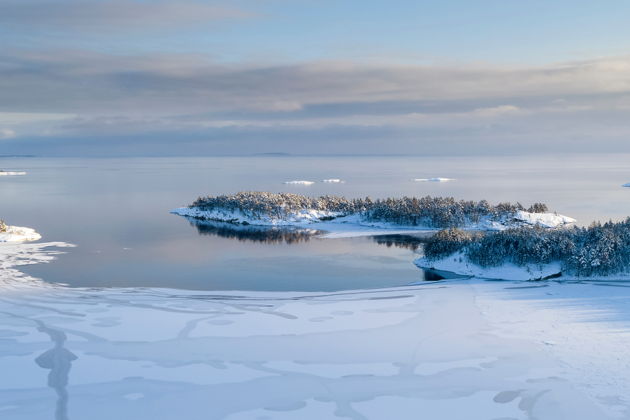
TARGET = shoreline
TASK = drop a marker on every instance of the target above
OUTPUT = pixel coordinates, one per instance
(458, 266)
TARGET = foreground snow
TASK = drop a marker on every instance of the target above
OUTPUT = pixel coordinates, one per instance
(453, 350)
(19, 234)
(337, 224)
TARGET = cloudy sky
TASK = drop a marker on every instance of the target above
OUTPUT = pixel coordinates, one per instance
(191, 77)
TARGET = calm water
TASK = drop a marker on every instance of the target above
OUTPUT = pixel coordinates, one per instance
(117, 213)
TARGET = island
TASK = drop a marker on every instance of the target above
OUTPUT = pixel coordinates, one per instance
(335, 213)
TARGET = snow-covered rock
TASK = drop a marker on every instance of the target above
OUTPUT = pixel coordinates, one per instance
(547, 220)
(19, 234)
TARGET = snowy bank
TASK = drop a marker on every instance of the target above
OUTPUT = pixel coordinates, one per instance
(10, 173)
(19, 234)
(459, 265)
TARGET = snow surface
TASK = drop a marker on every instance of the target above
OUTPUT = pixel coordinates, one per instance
(434, 179)
(9, 173)
(452, 350)
(19, 234)
(299, 182)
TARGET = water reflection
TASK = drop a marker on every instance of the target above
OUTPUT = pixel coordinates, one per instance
(290, 235)
(262, 234)
(410, 242)
(59, 360)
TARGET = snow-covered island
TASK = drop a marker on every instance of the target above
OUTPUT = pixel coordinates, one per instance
(596, 252)
(17, 234)
(333, 213)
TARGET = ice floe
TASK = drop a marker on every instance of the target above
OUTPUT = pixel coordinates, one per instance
(299, 182)
(438, 179)
(12, 173)
(333, 181)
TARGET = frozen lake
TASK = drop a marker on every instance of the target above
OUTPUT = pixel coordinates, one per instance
(163, 321)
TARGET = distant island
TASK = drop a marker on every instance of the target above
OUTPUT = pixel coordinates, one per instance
(424, 213)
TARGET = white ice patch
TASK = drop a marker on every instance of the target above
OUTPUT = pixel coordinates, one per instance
(299, 182)
(12, 173)
(333, 181)
(19, 234)
(438, 179)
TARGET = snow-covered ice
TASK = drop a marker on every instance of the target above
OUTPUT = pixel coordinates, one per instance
(333, 181)
(299, 182)
(438, 179)
(19, 234)
(450, 350)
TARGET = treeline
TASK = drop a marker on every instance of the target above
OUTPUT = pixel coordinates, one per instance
(440, 212)
(600, 249)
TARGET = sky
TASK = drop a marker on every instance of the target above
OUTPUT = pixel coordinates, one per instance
(195, 77)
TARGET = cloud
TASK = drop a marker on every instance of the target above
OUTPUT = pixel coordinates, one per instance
(64, 15)
(157, 96)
